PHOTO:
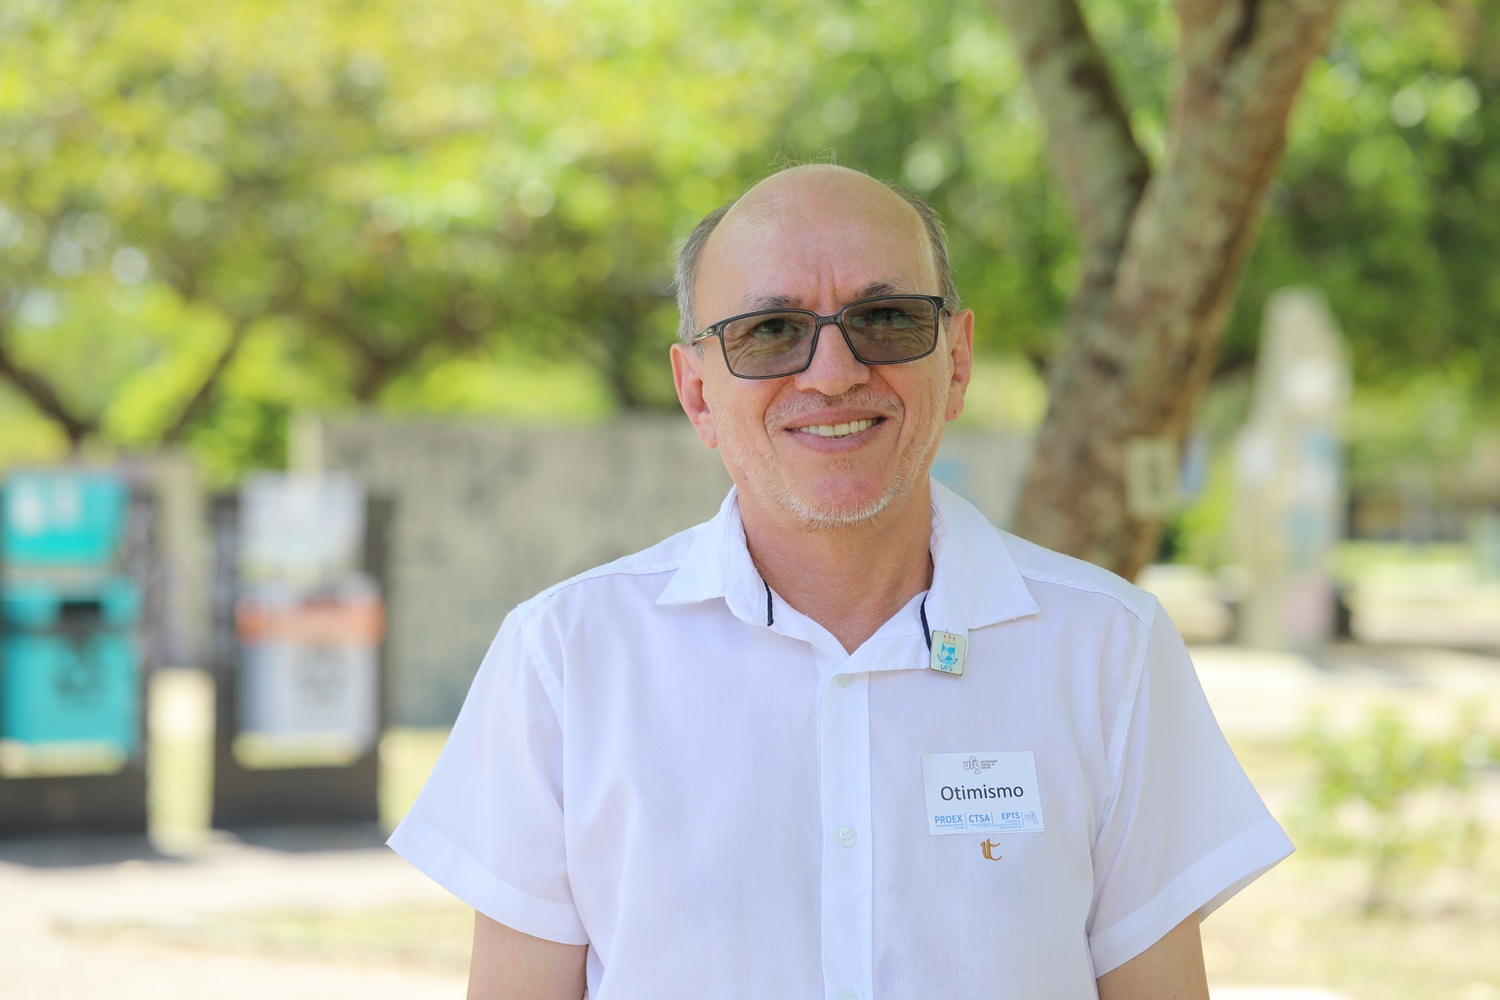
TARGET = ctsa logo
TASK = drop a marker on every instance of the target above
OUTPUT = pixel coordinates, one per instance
(989, 851)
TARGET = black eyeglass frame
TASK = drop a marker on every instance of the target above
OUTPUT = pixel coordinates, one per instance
(837, 319)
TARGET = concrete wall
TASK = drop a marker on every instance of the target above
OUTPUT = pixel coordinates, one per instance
(489, 514)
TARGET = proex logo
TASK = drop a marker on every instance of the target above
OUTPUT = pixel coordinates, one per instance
(989, 849)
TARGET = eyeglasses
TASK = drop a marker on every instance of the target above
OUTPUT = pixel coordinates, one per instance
(774, 343)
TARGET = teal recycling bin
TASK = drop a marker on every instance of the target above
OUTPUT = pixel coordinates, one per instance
(69, 668)
(62, 519)
(70, 664)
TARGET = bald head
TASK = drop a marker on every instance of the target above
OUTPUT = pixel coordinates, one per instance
(805, 198)
(797, 191)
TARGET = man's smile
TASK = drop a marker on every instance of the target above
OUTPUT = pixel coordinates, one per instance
(836, 430)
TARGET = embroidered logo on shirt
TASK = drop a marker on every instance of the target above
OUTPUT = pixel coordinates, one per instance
(989, 851)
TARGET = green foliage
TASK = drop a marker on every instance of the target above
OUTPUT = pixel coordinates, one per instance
(369, 204)
(1424, 424)
(1200, 529)
(1392, 796)
(427, 208)
(1387, 197)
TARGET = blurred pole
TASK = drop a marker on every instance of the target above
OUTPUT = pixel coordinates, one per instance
(1289, 500)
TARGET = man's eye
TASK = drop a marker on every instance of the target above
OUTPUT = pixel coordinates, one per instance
(773, 328)
(888, 318)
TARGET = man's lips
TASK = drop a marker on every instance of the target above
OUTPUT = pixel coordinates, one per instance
(855, 414)
(838, 430)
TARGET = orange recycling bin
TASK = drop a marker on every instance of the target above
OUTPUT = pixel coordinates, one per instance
(309, 665)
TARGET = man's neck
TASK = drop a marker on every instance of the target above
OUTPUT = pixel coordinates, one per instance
(850, 580)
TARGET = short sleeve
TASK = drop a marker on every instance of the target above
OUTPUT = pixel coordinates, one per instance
(1184, 829)
(488, 825)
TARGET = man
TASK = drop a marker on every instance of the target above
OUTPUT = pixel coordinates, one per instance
(845, 739)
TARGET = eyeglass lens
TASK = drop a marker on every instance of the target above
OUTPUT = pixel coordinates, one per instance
(882, 331)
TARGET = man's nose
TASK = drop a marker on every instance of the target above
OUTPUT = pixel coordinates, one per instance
(834, 369)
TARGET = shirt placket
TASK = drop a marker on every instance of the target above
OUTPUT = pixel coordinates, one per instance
(848, 868)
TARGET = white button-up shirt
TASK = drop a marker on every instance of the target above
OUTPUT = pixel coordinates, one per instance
(661, 759)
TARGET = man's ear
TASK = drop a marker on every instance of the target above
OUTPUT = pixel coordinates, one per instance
(687, 376)
(961, 352)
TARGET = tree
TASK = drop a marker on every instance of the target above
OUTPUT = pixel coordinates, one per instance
(1162, 247)
(209, 223)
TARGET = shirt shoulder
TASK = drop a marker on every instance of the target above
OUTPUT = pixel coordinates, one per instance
(1071, 577)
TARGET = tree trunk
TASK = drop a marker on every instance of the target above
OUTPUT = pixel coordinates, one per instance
(1160, 270)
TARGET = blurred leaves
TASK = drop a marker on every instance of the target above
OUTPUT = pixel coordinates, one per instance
(1388, 195)
(1394, 796)
(209, 222)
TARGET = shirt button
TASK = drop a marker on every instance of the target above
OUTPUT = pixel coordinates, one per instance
(847, 838)
(848, 995)
(845, 680)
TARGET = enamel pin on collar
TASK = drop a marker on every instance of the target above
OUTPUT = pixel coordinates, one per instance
(946, 649)
(947, 653)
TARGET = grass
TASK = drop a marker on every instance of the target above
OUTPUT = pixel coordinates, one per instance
(1302, 923)
(181, 760)
(179, 790)
(413, 937)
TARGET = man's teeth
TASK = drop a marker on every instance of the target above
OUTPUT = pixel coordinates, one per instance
(837, 430)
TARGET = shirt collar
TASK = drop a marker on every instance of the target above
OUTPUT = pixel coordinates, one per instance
(718, 564)
(975, 581)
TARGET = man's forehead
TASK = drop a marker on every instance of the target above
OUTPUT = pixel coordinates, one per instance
(804, 196)
(812, 220)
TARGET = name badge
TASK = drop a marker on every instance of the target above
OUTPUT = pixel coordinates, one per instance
(982, 792)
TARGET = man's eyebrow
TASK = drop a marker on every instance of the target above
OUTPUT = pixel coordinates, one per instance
(875, 288)
(755, 302)
(870, 291)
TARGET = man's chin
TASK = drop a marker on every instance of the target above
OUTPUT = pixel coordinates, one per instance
(829, 514)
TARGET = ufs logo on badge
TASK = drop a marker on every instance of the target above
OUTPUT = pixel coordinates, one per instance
(976, 765)
(947, 653)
